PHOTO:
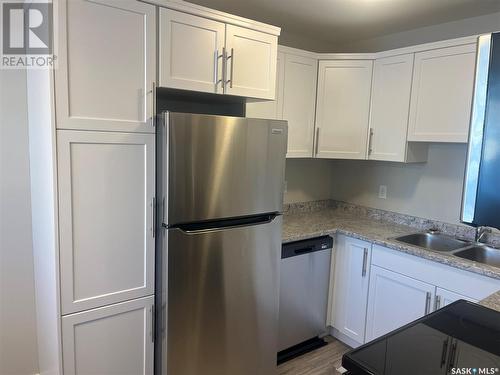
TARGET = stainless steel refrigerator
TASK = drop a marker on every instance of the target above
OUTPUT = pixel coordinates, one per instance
(221, 181)
(481, 197)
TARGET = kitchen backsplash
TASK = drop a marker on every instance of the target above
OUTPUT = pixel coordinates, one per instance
(459, 231)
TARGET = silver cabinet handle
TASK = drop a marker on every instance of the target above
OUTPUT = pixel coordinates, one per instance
(153, 323)
(437, 302)
(153, 216)
(444, 352)
(317, 143)
(453, 353)
(153, 104)
(370, 138)
(216, 68)
(224, 69)
(427, 302)
(230, 80)
(365, 259)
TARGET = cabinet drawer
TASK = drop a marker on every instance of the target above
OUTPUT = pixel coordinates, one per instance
(469, 284)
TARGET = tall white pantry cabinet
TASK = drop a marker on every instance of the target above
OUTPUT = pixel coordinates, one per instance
(92, 159)
(92, 151)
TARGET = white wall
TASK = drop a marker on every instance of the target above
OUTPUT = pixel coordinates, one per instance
(449, 30)
(307, 180)
(430, 190)
(18, 351)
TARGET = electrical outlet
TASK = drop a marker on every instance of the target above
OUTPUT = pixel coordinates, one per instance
(382, 192)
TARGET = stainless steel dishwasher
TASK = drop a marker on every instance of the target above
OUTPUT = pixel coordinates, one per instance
(304, 280)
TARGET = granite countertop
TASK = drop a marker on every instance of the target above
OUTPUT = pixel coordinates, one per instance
(303, 225)
(493, 301)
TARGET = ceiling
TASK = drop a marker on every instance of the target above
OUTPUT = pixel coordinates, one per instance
(329, 23)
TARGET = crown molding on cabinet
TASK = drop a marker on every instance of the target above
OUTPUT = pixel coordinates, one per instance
(382, 54)
(428, 46)
(297, 52)
(201, 11)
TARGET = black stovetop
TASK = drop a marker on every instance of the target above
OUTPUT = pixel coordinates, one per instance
(461, 338)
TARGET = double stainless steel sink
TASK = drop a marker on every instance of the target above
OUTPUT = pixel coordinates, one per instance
(436, 241)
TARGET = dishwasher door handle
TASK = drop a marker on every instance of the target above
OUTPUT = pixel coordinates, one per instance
(304, 250)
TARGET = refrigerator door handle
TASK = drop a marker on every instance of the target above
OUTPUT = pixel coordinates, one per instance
(210, 226)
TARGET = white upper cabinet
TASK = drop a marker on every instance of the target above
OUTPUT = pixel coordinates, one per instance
(390, 107)
(441, 96)
(295, 101)
(342, 110)
(299, 99)
(190, 52)
(205, 55)
(115, 339)
(270, 109)
(107, 65)
(106, 209)
(250, 63)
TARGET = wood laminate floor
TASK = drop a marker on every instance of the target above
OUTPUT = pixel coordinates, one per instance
(322, 361)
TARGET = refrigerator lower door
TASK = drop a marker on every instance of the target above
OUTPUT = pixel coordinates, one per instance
(222, 304)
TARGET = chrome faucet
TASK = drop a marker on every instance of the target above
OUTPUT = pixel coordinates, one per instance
(480, 232)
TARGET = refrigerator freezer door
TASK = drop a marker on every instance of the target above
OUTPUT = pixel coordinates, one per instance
(221, 167)
(223, 300)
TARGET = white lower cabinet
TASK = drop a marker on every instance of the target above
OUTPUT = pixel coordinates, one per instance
(375, 290)
(350, 289)
(469, 356)
(409, 345)
(111, 340)
(445, 297)
(395, 300)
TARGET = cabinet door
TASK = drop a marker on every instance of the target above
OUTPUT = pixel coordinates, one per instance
(251, 63)
(107, 65)
(406, 355)
(190, 52)
(270, 109)
(116, 339)
(106, 197)
(390, 107)
(342, 110)
(350, 287)
(470, 356)
(299, 100)
(395, 300)
(445, 297)
(441, 94)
